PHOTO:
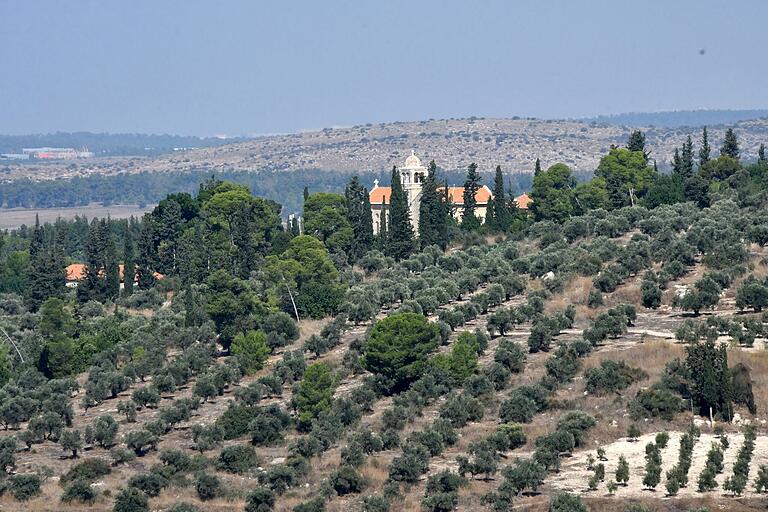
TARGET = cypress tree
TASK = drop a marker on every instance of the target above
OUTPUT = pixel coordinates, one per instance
(686, 158)
(730, 144)
(724, 375)
(677, 162)
(58, 269)
(92, 287)
(445, 217)
(359, 216)
(294, 228)
(46, 269)
(705, 150)
(111, 269)
(469, 220)
(383, 228)
(537, 167)
(500, 211)
(429, 214)
(490, 215)
(145, 260)
(129, 262)
(400, 234)
(306, 193)
(761, 154)
(636, 141)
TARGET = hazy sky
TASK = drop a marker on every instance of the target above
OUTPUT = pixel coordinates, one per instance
(251, 67)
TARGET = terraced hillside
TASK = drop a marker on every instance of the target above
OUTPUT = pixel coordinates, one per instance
(551, 346)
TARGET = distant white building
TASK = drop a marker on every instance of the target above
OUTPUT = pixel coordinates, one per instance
(412, 176)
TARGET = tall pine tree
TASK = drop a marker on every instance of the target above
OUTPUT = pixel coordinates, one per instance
(129, 262)
(145, 261)
(537, 167)
(469, 220)
(359, 215)
(111, 269)
(500, 209)
(636, 142)
(761, 154)
(705, 149)
(686, 159)
(428, 208)
(46, 274)
(677, 162)
(730, 145)
(400, 234)
(93, 285)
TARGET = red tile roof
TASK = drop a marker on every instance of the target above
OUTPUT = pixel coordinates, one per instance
(456, 194)
(523, 201)
(380, 195)
(76, 272)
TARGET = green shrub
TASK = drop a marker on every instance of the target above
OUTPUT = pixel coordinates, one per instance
(261, 499)
(183, 507)
(24, 487)
(346, 480)
(612, 376)
(567, 503)
(238, 459)
(131, 500)
(79, 490)
(87, 470)
(149, 483)
(656, 403)
(208, 486)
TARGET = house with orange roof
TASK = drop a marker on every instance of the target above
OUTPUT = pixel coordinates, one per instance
(412, 176)
(76, 273)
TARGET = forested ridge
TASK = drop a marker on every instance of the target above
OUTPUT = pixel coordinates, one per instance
(316, 366)
(150, 187)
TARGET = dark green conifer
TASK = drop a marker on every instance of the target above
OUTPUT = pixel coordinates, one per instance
(677, 162)
(359, 216)
(129, 262)
(46, 275)
(636, 141)
(761, 154)
(429, 214)
(498, 210)
(144, 261)
(400, 233)
(705, 149)
(469, 220)
(111, 268)
(730, 144)
(686, 158)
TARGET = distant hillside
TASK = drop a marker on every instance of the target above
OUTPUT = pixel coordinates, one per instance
(111, 144)
(680, 118)
(373, 149)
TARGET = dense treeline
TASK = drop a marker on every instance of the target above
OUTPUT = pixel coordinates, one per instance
(151, 187)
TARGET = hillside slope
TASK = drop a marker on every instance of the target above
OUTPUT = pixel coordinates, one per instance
(453, 143)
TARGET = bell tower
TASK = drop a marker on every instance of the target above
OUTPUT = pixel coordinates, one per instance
(412, 176)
